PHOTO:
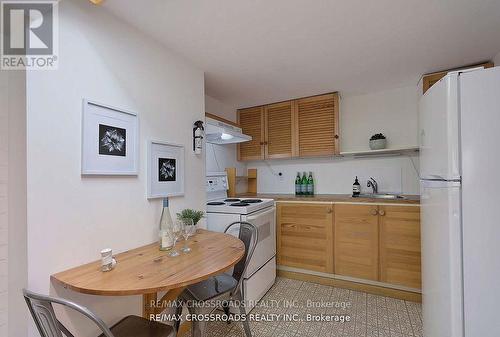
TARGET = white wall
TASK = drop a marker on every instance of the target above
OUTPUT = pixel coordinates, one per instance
(18, 260)
(4, 160)
(496, 60)
(392, 112)
(394, 174)
(219, 108)
(71, 218)
(219, 157)
(13, 259)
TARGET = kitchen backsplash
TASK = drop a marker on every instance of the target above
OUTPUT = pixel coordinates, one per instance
(219, 157)
(393, 174)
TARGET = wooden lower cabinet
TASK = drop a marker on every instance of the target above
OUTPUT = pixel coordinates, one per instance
(356, 241)
(305, 236)
(400, 245)
(367, 242)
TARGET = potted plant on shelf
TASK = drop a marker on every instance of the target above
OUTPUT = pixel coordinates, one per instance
(378, 142)
(191, 214)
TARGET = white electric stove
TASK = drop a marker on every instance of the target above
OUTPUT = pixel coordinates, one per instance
(238, 205)
(222, 211)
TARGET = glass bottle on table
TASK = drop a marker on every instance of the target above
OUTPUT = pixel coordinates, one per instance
(166, 224)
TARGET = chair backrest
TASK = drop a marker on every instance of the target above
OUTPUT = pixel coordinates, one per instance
(249, 234)
(45, 318)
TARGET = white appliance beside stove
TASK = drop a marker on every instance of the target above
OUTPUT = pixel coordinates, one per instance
(222, 211)
(459, 118)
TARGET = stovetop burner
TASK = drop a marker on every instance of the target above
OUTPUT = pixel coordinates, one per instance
(251, 201)
(215, 203)
(240, 204)
(232, 200)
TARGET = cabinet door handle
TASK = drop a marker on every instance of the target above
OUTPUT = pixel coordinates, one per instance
(374, 212)
(329, 211)
(381, 212)
(261, 143)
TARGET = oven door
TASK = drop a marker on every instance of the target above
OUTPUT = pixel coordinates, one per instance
(265, 221)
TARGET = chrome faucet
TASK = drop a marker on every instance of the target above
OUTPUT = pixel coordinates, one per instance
(373, 184)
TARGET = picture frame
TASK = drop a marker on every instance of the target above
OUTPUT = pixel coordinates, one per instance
(165, 169)
(110, 140)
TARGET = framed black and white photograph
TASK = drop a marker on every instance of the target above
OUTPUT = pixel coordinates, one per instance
(110, 140)
(165, 169)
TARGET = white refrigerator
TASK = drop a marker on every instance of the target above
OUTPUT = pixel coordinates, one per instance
(460, 204)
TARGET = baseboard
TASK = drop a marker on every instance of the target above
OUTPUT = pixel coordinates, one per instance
(367, 288)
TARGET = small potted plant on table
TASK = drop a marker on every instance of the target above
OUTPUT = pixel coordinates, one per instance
(191, 214)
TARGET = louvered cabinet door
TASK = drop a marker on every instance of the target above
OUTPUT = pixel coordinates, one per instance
(251, 121)
(317, 125)
(279, 130)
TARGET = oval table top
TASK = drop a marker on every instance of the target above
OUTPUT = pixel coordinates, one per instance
(147, 269)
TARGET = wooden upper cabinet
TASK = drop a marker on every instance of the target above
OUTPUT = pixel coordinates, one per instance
(305, 127)
(317, 131)
(356, 241)
(252, 122)
(430, 79)
(279, 130)
(400, 245)
(305, 236)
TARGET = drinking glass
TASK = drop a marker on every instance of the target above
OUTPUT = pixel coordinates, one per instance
(176, 233)
(192, 230)
(187, 230)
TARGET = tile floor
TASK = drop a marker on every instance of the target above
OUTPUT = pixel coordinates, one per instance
(370, 315)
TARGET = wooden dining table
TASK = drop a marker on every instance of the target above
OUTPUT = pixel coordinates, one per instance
(147, 270)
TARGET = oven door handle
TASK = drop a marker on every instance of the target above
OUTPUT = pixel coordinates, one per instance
(255, 215)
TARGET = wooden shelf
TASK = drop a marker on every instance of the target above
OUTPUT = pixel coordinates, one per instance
(390, 151)
(251, 179)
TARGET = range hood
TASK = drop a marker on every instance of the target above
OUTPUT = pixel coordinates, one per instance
(217, 132)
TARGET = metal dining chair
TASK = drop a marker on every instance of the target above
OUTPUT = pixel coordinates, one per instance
(48, 325)
(224, 287)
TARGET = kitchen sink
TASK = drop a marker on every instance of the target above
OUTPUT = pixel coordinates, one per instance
(381, 196)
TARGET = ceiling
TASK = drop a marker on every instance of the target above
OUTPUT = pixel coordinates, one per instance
(261, 51)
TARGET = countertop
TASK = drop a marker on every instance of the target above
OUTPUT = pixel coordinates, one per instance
(335, 198)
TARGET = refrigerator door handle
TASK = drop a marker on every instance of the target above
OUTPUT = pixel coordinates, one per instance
(434, 177)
